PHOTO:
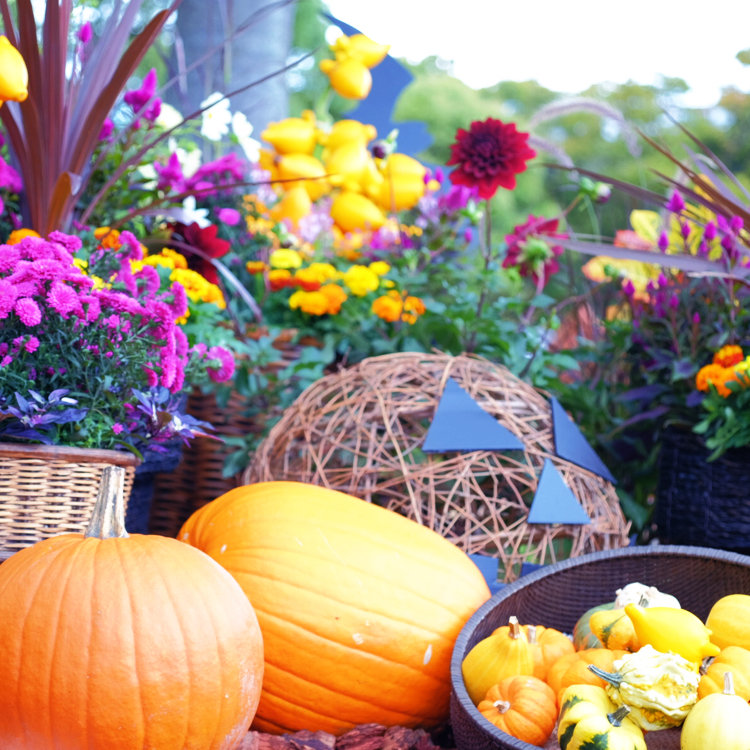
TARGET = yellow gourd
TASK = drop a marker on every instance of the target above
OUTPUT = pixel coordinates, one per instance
(496, 657)
(658, 688)
(589, 719)
(729, 621)
(670, 629)
(614, 629)
(719, 720)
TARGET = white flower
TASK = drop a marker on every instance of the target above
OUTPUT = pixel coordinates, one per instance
(168, 117)
(242, 128)
(190, 213)
(216, 119)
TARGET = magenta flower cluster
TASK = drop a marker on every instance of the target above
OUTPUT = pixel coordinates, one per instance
(101, 339)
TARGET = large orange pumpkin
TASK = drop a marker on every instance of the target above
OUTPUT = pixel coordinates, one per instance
(120, 642)
(359, 606)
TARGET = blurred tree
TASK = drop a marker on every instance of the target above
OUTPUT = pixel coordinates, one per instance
(236, 44)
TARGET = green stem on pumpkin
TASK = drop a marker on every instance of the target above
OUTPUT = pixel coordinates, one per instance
(108, 517)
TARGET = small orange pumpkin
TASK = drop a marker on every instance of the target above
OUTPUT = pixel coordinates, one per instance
(120, 642)
(734, 659)
(522, 706)
(572, 669)
(547, 645)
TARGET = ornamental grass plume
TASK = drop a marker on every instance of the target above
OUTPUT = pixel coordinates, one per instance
(92, 353)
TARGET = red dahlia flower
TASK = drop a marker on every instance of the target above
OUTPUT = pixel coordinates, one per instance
(489, 155)
(204, 244)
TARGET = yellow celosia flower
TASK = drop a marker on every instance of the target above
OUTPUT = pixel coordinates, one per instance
(285, 258)
(14, 76)
(361, 280)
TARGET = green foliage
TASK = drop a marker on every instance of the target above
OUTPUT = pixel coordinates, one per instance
(725, 424)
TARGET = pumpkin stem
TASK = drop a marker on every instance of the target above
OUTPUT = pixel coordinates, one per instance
(728, 684)
(616, 717)
(612, 679)
(502, 706)
(108, 516)
(531, 633)
(515, 631)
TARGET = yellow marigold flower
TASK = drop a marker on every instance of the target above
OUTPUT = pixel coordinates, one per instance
(78, 263)
(18, 234)
(312, 303)
(387, 307)
(255, 266)
(336, 297)
(198, 288)
(361, 280)
(728, 355)
(285, 258)
(380, 267)
(323, 271)
(715, 375)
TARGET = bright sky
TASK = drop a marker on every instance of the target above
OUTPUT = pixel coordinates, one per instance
(567, 45)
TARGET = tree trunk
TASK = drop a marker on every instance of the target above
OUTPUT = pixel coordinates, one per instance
(248, 39)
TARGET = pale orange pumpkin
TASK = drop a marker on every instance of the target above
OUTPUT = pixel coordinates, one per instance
(734, 659)
(359, 606)
(522, 706)
(120, 642)
(572, 669)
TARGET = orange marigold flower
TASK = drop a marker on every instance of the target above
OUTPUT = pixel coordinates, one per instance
(413, 308)
(388, 307)
(312, 303)
(729, 355)
(18, 234)
(715, 375)
(336, 297)
(255, 266)
(108, 237)
(280, 278)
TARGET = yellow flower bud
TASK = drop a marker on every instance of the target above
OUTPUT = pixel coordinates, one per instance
(349, 131)
(293, 135)
(369, 53)
(14, 77)
(293, 206)
(352, 211)
(300, 166)
(349, 77)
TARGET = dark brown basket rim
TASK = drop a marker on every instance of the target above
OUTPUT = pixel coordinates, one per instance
(69, 453)
(457, 683)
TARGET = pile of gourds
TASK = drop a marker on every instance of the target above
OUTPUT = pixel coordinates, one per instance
(318, 611)
(637, 664)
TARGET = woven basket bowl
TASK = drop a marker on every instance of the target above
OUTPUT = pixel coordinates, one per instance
(557, 595)
(47, 490)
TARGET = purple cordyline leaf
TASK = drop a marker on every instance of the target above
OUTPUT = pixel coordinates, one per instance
(17, 430)
(58, 394)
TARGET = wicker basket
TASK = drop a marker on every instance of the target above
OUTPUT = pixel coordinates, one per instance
(700, 502)
(199, 477)
(557, 595)
(47, 490)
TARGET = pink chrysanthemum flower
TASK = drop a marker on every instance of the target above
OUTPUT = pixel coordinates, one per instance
(28, 311)
(63, 299)
(8, 296)
(32, 344)
(180, 302)
(225, 370)
(9, 257)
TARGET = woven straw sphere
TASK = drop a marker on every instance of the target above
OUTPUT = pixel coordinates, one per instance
(360, 431)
